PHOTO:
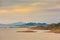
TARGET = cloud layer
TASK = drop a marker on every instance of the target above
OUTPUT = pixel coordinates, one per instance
(29, 11)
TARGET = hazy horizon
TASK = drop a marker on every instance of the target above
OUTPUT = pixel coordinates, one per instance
(43, 11)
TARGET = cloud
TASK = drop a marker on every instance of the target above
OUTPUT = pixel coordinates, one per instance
(36, 11)
(57, 6)
(38, 3)
(55, 9)
(30, 7)
(18, 9)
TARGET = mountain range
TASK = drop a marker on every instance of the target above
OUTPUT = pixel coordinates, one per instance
(24, 24)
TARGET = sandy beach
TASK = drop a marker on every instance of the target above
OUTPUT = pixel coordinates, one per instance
(11, 34)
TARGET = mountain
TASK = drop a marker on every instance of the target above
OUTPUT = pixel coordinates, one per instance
(16, 24)
(22, 24)
(29, 24)
(13, 24)
(2, 24)
(42, 24)
(35, 24)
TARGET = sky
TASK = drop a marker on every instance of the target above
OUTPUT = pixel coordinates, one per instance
(43, 11)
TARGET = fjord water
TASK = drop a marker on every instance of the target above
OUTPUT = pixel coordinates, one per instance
(11, 34)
